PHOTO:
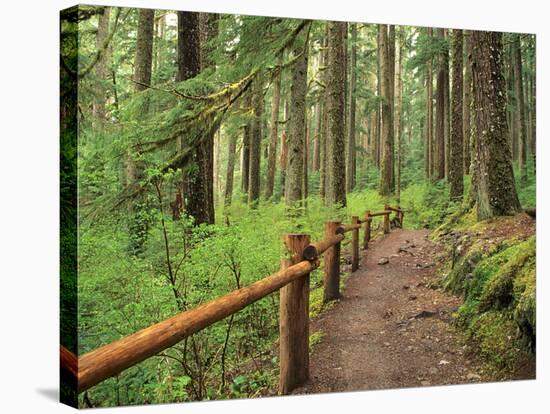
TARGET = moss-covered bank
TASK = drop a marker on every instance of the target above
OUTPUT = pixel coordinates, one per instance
(492, 265)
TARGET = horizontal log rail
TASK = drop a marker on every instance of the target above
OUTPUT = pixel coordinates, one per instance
(292, 281)
(381, 213)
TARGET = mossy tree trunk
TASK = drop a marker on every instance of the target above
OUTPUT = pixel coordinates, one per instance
(138, 223)
(350, 154)
(273, 135)
(297, 127)
(208, 31)
(98, 106)
(447, 111)
(496, 191)
(520, 109)
(386, 130)
(456, 164)
(255, 144)
(429, 150)
(196, 187)
(336, 146)
(466, 103)
(439, 147)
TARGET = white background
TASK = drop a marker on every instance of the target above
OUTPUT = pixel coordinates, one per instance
(29, 205)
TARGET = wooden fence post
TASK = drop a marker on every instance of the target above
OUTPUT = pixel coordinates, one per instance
(366, 239)
(294, 320)
(332, 265)
(386, 220)
(355, 244)
(401, 214)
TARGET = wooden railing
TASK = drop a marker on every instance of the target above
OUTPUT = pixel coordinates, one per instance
(292, 281)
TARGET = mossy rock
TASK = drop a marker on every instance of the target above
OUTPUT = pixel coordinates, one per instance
(498, 339)
(499, 290)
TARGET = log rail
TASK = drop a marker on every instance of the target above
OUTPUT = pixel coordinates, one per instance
(292, 281)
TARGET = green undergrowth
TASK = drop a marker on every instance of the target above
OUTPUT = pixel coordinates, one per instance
(497, 280)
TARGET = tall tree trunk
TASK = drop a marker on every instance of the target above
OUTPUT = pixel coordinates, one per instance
(391, 68)
(496, 191)
(350, 161)
(208, 31)
(245, 150)
(196, 187)
(297, 126)
(231, 147)
(439, 160)
(456, 162)
(398, 108)
(317, 138)
(98, 106)
(520, 112)
(336, 146)
(429, 113)
(273, 135)
(467, 99)
(386, 129)
(447, 112)
(377, 138)
(138, 224)
(323, 179)
(255, 144)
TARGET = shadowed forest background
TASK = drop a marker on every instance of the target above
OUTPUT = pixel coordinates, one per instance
(202, 138)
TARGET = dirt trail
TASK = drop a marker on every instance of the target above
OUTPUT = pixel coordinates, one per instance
(390, 330)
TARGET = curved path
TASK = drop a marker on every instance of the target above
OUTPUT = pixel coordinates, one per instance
(390, 329)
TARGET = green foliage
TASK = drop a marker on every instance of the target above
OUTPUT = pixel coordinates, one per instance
(499, 308)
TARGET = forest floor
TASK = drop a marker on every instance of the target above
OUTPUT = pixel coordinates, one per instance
(392, 328)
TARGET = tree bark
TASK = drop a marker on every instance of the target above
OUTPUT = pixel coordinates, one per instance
(138, 225)
(336, 146)
(398, 108)
(520, 110)
(456, 162)
(231, 147)
(439, 160)
(429, 114)
(496, 191)
(100, 91)
(467, 99)
(255, 145)
(297, 127)
(273, 135)
(447, 112)
(350, 160)
(197, 185)
(386, 134)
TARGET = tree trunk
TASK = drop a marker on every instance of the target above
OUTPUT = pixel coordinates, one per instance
(439, 159)
(350, 161)
(273, 135)
(398, 108)
(336, 146)
(317, 138)
(520, 110)
(429, 114)
(391, 69)
(208, 31)
(496, 191)
(231, 147)
(447, 112)
(467, 99)
(100, 91)
(386, 130)
(255, 144)
(196, 188)
(377, 138)
(297, 126)
(323, 179)
(456, 162)
(138, 225)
